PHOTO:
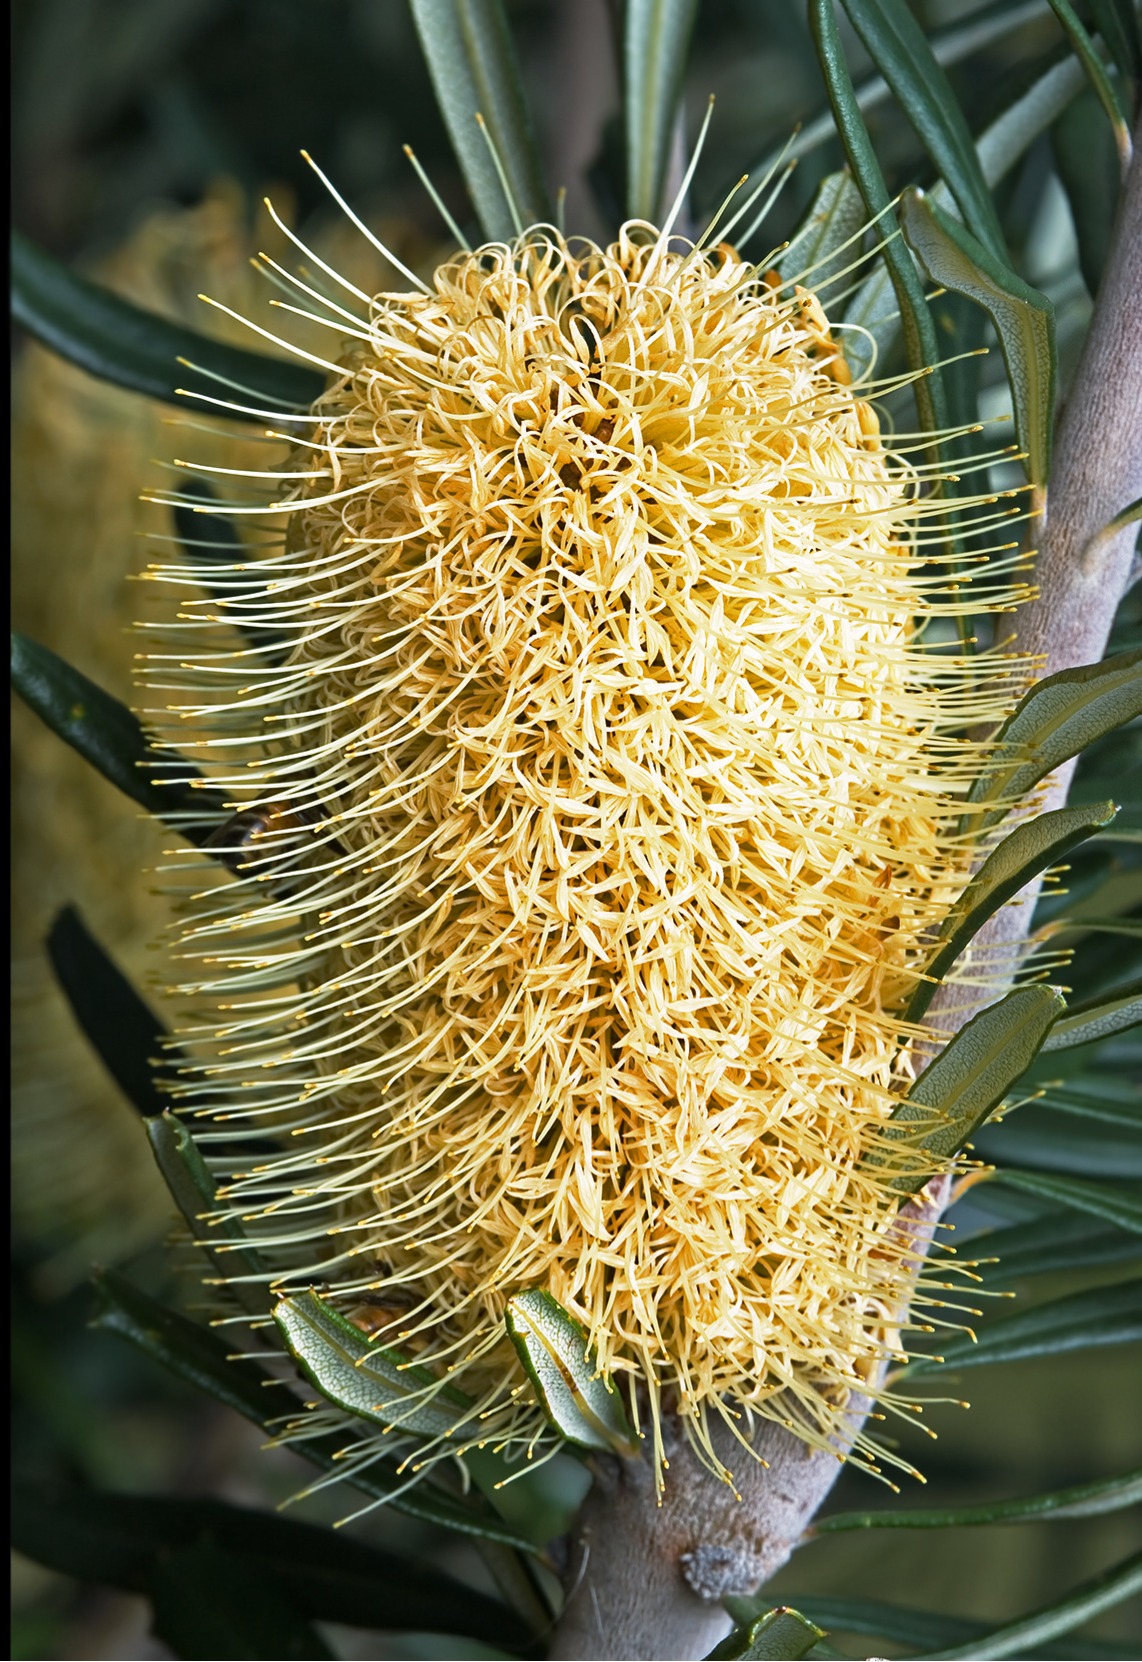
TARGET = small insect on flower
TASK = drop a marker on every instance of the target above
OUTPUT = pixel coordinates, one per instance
(618, 693)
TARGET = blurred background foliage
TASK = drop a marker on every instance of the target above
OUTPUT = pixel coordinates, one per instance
(144, 134)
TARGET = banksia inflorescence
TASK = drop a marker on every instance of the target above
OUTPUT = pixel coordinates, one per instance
(595, 752)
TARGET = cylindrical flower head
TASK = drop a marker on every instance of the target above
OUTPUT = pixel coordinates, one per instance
(599, 794)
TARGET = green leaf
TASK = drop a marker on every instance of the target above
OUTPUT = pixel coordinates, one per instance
(582, 1404)
(828, 239)
(468, 48)
(781, 1633)
(1090, 1022)
(1030, 1632)
(657, 33)
(121, 343)
(1060, 716)
(897, 45)
(1056, 1241)
(1109, 1100)
(1082, 1500)
(1081, 1321)
(121, 1540)
(1087, 54)
(906, 1626)
(971, 1075)
(1034, 845)
(1087, 166)
(1041, 1139)
(124, 1032)
(204, 1604)
(196, 1355)
(1024, 319)
(1120, 25)
(106, 734)
(192, 1188)
(210, 541)
(1117, 1204)
(368, 1380)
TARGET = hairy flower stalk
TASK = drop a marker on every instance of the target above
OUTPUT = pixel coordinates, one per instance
(596, 788)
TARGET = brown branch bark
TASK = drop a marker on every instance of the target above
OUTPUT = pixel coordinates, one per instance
(646, 1580)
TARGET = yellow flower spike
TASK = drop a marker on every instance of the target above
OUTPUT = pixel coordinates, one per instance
(606, 798)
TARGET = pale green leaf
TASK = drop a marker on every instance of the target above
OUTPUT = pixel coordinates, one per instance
(1089, 1022)
(193, 1191)
(1081, 1500)
(780, 1634)
(1024, 319)
(657, 33)
(472, 62)
(365, 1379)
(1060, 716)
(581, 1403)
(1029, 849)
(965, 1082)
(1087, 54)
(1023, 1637)
(828, 239)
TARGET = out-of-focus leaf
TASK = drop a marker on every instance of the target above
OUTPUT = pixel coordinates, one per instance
(1024, 319)
(1081, 1500)
(210, 540)
(120, 1540)
(124, 1032)
(921, 346)
(1087, 54)
(468, 47)
(192, 1188)
(1025, 1636)
(918, 1629)
(1088, 171)
(656, 36)
(195, 1354)
(1034, 845)
(971, 1075)
(581, 1403)
(1089, 1022)
(204, 1604)
(899, 48)
(1117, 1204)
(1111, 1101)
(1056, 1241)
(827, 241)
(781, 1633)
(1060, 716)
(1120, 25)
(111, 738)
(1081, 1321)
(367, 1380)
(1038, 1137)
(119, 342)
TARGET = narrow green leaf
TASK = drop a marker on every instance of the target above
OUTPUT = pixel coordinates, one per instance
(781, 1633)
(204, 1604)
(921, 347)
(828, 239)
(907, 1626)
(583, 1405)
(196, 1355)
(119, 342)
(971, 1075)
(1119, 22)
(124, 1032)
(468, 48)
(1057, 1241)
(657, 34)
(1031, 1632)
(1089, 1022)
(192, 1188)
(1082, 1500)
(120, 1539)
(1039, 1138)
(210, 541)
(1110, 1101)
(1087, 165)
(1060, 716)
(1117, 1204)
(1024, 319)
(1034, 845)
(1087, 54)
(1081, 1321)
(367, 1380)
(111, 738)
(897, 45)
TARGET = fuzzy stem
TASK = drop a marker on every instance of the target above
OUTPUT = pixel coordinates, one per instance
(645, 1579)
